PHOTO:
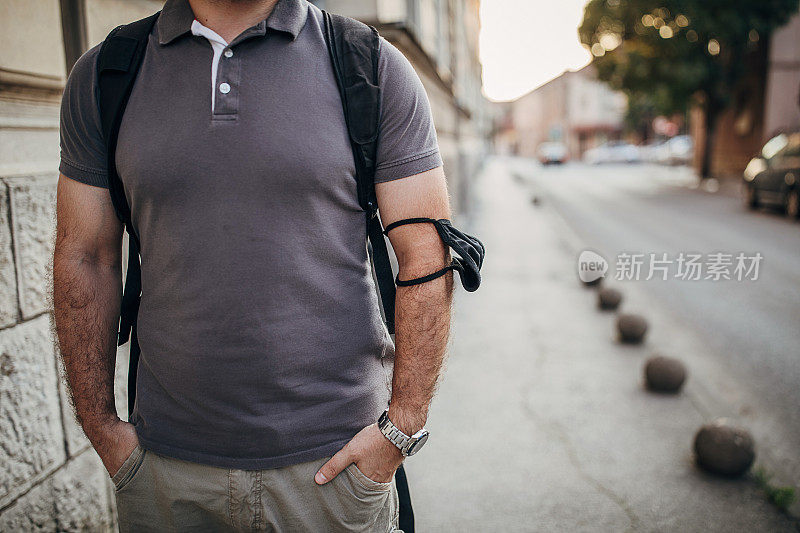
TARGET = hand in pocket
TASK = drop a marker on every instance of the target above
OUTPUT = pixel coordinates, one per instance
(372, 453)
(117, 443)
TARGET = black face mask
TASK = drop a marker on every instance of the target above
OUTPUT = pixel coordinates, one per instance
(469, 249)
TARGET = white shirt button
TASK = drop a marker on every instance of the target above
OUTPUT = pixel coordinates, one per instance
(228, 53)
(224, 88)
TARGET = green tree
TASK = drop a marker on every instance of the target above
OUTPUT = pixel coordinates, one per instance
(677, 52)
(640, 114)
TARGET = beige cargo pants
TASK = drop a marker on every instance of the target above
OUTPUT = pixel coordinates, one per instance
(155, 492)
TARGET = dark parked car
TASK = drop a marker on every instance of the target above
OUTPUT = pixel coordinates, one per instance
(552, 153)
(773, 178)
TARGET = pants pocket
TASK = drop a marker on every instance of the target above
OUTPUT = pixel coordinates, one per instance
(129, 468)
(366, 482)
(361, 504)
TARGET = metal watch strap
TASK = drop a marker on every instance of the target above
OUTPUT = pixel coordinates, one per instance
(391, 432)
(395, 436)
(407, 445)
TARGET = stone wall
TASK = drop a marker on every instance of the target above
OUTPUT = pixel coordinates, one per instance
(51, 479)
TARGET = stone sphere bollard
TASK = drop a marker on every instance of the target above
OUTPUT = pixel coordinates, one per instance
(609, 299)
(664, 374)
(632, 328)
(724, 449)
(593, 283)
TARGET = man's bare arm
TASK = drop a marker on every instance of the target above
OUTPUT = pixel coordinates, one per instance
(86, 298)
(422, 322)
(422, 312)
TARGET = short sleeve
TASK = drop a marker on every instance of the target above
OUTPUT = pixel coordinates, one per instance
(83, 150)
(407, 142)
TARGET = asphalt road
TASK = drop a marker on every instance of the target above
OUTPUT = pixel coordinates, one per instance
(542, 422)
(753, 326)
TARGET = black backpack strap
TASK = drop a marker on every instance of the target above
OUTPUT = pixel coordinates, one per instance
(406, 520)
(118, 63)
(354, 48)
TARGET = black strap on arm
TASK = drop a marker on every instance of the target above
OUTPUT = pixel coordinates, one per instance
(424, 279)
(118, 63)
(469, 249)
(354, 48)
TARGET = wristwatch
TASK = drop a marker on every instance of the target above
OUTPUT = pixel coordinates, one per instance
(408, 445)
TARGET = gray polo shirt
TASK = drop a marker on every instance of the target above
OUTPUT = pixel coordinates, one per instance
(259, 325)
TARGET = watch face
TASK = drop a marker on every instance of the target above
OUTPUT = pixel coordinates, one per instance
(420, 439)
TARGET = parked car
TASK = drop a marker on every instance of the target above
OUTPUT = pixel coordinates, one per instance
(773, 177)
(649, 152)
(612, 152)
(552, 152)
(677, 151)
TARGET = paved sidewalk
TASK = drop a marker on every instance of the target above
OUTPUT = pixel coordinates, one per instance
(541, 423)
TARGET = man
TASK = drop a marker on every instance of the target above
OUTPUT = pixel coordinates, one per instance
(264, 361)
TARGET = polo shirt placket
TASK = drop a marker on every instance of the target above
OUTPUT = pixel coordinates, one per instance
(229, 74)
(229, 80)
(228, 69)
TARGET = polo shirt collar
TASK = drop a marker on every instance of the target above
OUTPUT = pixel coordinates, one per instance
(175, 19)
(288, 16)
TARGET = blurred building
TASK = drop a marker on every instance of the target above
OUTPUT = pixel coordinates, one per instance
(782, 100)
(574, 108)
(50, 478)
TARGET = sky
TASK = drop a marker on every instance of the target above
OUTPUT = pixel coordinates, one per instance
(524, 43)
